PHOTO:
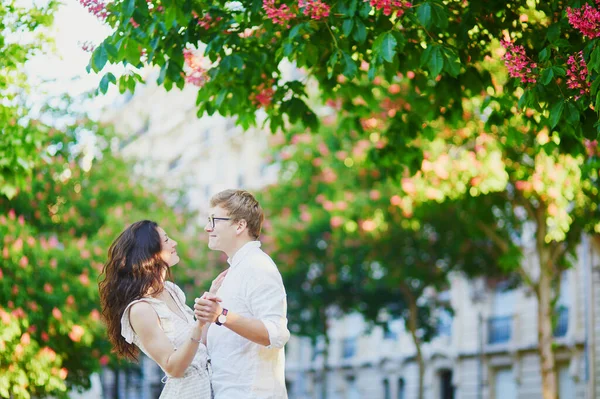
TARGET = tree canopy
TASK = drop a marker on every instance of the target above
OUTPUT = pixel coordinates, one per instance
(434, 54)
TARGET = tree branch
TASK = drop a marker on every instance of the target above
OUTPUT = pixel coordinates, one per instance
(492, 235)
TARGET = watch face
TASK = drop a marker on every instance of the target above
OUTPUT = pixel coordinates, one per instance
(222, 319)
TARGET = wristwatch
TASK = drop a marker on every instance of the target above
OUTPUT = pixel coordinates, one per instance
(222, 319)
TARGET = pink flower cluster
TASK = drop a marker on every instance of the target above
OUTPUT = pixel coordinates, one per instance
(315, 9)
(518, 64)
(96, 8)
(279, 16)
(196, 74)
(591, 147)
(390, 6)
(87, 46)
(586, 19)
(206, 21)
(577, 75)
(263, 95)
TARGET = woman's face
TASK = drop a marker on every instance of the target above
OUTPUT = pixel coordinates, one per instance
(168, 251)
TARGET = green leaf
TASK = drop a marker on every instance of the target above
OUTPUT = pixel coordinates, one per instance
(559, 71)
(350, 67)
(99, 58)
(573, 115)
(104, 84)
(439, 15)
(352, 8)
(426, 55)
(360, 33)
(163, 73)
(436, 61)
(331, 64)
(424, 14)
(112, 51)
(388, 46)
(553, 32)
(128, 10)
(295, 31)
(372, 72)
(347, 26)
(525, 100)
(556, 112)
(594, 62)
(221, 97)
(544, 54)
(595, 85)
(452, 62)
(547, 76)
(365, 10)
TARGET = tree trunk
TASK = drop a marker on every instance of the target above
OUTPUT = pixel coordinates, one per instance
(413, 325)
(545, 330)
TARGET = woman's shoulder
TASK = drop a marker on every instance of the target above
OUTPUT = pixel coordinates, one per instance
(174, 288)
(135, 315)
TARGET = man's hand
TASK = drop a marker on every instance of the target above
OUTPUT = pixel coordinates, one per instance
(207, 308)
(216, 284)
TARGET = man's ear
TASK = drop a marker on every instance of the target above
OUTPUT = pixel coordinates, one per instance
(241, 226)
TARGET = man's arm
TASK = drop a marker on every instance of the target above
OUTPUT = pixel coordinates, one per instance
(266, 301)
(207, 310)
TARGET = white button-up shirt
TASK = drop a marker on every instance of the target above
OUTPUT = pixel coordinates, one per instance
(243, 369)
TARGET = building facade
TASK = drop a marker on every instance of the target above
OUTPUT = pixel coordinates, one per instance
(486, 350)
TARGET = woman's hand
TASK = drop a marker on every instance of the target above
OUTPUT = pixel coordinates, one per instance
(216, 284)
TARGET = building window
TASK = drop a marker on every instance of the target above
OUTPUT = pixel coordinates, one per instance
(386, 389)
(401, 388)
(351, 388)
(318, 348)
(505, 386)
(348, 348)
(566, 385)
(503, 308)
(499, 329)
(444, 323)
(446, 387)
(562, 324)
(175, 163)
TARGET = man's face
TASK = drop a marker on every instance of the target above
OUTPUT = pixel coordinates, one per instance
(221, 231)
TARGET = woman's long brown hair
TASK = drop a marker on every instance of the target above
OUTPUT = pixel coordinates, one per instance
(133, 269)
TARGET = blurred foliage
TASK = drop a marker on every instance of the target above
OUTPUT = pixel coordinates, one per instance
(55, 234)
(23, 35)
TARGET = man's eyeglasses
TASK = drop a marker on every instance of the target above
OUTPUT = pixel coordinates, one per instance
(211, 220)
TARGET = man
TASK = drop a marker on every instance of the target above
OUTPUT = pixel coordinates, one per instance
(246, 341)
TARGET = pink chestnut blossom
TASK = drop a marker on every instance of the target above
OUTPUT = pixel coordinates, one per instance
(577, 75)
(315, 9)
(518, 64)
(585, 19)
(96, 8)
(390, 6)
(279, 15)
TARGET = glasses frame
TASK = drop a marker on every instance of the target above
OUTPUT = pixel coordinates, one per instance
(211, 220)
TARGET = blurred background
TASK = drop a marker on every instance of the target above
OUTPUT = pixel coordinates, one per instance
(438, 281)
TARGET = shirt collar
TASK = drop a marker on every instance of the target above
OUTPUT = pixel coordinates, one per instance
(242, 252)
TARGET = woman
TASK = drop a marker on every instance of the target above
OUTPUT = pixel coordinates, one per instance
(141, 308)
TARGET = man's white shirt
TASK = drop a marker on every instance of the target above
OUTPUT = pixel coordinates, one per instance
(241, 368)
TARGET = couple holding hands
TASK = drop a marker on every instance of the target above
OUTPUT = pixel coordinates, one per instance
(230, 346)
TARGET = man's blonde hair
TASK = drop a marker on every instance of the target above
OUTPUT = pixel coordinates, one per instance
(240, 204)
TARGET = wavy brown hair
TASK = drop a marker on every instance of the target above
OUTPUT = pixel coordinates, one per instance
(134, 268)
